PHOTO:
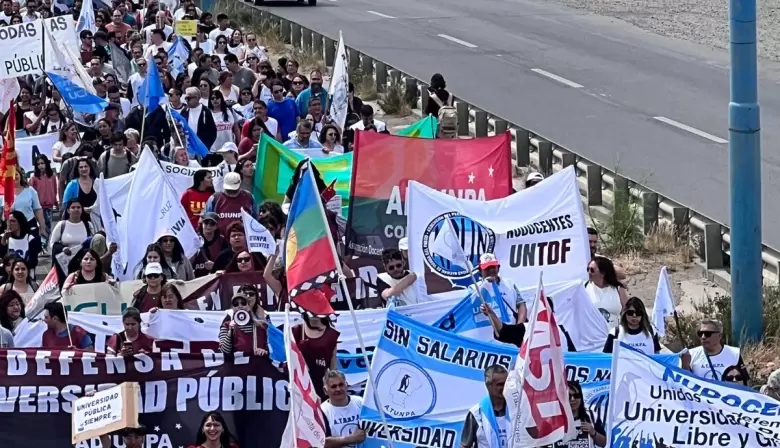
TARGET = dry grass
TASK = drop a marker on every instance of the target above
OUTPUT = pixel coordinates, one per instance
(365, 85)
(270, 36)
(393, 101)
(308, 61)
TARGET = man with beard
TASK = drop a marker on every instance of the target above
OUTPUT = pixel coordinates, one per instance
(396, 281)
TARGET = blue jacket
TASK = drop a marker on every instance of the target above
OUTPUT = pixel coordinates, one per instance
(302, 101)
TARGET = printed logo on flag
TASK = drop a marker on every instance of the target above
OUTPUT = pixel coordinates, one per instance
(474, 238)
(396, 383)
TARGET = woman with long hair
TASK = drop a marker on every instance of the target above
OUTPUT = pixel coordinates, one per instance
(330, 137)
(604, 290)
(8, 261)
(67, 143)
(246, 169)
(225, 120)
(44, 182)
(82, 187)
(589, 430)
(19, 240)
(11, 310)
(174, 256)
(229, 92)
(249, 338)
(23, 104)
(247, 149)
(246, 261)
(148, 296)
(213, 245)
(634, 329)
(86, 269)
(27, 201)
(220, 51)
(20, 281)
(194, 198)
(236, 45)
(53, 119)
(132, 340)
(213, 433)
(154, 254)
(170, 299)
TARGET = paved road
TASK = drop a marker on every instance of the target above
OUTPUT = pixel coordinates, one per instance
(652, 107)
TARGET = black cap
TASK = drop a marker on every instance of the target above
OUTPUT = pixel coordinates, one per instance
(139, 431)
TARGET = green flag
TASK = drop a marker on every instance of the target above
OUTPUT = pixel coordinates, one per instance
(424, 128)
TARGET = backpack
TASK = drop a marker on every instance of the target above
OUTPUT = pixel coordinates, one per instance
(448, 117)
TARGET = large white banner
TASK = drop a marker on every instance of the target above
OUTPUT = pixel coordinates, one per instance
(539, 229)
(26, 148)
(153, 207)
(655, 404)
(23, 45)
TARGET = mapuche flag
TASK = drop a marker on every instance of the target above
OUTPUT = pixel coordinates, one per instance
(309, 253)
(8, 162)
(383, 165)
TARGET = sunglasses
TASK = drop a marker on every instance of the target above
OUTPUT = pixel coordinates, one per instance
(734, 378)
(331, 134)
(395, 266)
(248, 293)
(153, 276)
(632, 313)
(244, 259)
(706, 334)
(592, 270)
(240, 302)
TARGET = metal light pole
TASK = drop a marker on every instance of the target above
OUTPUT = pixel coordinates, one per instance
(745, 175)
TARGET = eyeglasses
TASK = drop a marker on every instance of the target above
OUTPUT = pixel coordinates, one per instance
(153, 276)
(733, 378)
(244, 259)
(633, 313)
(706, 334)
(395, 266)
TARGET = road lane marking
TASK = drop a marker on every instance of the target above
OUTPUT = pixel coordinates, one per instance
(555, 77)
(385, 16)
(457, 41)
(692, 130)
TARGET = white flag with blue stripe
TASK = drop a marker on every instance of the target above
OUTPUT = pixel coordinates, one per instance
(178, 56)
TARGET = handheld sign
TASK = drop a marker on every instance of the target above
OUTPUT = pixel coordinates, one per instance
(105, 412)
(186, 27)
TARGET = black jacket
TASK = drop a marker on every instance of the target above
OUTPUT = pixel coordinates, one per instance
(207, 129)
(156, 125)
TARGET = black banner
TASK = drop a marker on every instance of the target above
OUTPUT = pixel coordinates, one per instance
(38, 388)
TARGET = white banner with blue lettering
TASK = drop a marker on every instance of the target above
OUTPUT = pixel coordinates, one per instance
(656, 404)
(418, 368)
(534, 230)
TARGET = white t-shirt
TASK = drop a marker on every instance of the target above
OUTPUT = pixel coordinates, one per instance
(224, 128)
(151, 50)
(60, 146)
(359, 126)
(20, 246)
(607, 301)
(407, 297)
(258, 51)
(272, 125)
(147, 33)
(208, 47)
(509, 293)
(343, 420)
(639, 341)
(135, 81)
(181, 13)
(217, 32)
(700, 366)
(235, 92)
(69, 234)
(238, 50)
(194, 118)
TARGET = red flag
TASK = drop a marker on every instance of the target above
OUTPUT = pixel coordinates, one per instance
(328, 193)
(8, 161)
(305, 425)
(536, 390)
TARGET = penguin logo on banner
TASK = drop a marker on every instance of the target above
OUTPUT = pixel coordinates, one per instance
(474, 238)
(406, 389)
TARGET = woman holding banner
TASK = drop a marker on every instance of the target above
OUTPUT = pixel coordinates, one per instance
(20, 281)
(213, 245)
(589, 431)
(89, 270)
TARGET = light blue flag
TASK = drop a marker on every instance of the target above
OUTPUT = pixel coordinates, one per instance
(77, 97)
(195, 146)
(151, 91)
(86, 17)
(178, 56)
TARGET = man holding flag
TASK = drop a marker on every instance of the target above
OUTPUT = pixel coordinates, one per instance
(487, 422)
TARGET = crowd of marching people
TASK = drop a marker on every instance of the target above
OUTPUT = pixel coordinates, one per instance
(228, 93)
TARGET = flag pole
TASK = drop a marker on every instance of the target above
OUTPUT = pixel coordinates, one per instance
(288, 356)
(674, 313)
(143, 123)
(173, 125)
(348, 298)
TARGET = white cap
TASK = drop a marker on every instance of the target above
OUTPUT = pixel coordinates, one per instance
(403, 243)
(228, 147)
(153, 268)
(232, 181)
(487, 260)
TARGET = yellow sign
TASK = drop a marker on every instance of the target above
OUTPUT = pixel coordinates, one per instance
(187, 27)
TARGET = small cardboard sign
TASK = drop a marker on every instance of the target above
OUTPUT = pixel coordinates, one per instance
(105, 412)
(186, 27)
